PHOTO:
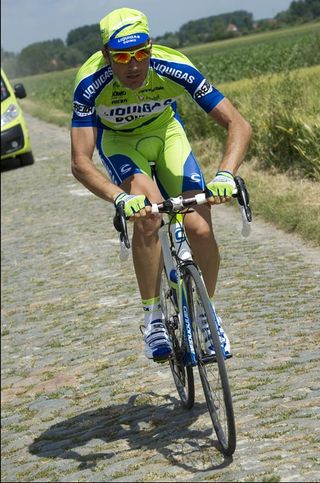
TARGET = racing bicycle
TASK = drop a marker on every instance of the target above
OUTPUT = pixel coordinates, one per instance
(187, 309)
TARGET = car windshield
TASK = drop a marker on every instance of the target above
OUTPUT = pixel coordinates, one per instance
(4, 91)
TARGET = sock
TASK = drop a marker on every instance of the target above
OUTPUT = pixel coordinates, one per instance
(152, 310)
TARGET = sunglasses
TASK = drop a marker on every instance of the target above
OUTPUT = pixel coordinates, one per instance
(124, 57)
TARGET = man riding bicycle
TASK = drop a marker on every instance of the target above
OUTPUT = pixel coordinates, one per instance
(125, 105)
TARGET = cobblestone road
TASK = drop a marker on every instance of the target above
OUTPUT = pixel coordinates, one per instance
(79, 400)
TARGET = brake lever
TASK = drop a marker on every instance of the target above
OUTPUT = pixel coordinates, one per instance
(243, 197)
(120, 224)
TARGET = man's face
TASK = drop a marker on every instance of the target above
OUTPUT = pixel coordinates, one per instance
(133, 74)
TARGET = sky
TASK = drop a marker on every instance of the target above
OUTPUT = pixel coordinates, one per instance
(24, 22)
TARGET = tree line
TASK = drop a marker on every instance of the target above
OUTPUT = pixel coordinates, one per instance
(52, 55)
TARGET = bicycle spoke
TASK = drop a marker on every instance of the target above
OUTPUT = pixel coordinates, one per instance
(212, 369)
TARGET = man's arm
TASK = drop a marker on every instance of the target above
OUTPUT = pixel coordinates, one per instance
(239, 135)
(83, 140)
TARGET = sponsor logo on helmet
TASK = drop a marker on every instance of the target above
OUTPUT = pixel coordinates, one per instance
(129, 38)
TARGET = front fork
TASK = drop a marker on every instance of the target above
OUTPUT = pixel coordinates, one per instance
(190, 354)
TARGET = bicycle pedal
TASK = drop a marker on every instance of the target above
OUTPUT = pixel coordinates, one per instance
(164, 358)
(162, 361)
(208, 359)
(212, 358)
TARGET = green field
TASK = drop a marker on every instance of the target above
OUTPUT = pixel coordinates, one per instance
(258, 54)
(273, 79)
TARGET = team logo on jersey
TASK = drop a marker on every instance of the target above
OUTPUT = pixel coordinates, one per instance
(130, 112)
(203, 89)
(173, 72)
(81, 110)
(119, 93)
(98, 84)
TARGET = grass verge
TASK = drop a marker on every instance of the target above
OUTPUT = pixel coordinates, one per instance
(291, 204)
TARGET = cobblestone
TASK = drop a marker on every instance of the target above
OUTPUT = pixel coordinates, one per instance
(79, 400)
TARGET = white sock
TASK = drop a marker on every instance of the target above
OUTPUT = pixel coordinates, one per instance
(152, 310)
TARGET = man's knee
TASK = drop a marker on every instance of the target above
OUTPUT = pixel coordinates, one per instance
(199, 227)
(148, 226)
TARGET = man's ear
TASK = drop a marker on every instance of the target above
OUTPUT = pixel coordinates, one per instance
(105, 55)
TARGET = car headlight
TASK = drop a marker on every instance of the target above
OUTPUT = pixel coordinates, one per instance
(11, 113)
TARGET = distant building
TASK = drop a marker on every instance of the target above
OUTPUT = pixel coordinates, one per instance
(232, 28)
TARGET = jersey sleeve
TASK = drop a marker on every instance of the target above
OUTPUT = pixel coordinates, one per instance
(206, 95)
(177, 67)
(84, 113)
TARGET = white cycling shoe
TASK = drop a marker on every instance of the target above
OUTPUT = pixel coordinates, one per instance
(157, 345)
(224, 339)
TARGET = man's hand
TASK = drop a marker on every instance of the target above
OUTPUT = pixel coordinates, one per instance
(134, 205)
(221, 187)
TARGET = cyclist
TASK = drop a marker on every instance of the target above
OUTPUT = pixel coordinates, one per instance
(125, 105)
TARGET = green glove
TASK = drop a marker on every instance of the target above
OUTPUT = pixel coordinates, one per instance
(222, 184)
(132, 203)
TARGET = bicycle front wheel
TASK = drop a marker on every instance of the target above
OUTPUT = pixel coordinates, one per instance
(182, 373)
(212, 369)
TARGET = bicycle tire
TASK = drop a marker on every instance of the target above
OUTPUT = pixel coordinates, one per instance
(213, 373)
(182, 374)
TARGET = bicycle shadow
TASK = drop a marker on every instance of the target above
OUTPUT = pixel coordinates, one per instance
(161, 427)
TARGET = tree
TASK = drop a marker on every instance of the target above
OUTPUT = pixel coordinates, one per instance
(42, 57)
(300, 11)
(80, 33)
(86, 39)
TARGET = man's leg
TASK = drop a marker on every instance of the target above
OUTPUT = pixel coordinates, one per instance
(146, 250)
(204, 246)
(205, 249)
(147, 260)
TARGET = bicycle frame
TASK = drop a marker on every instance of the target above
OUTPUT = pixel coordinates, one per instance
(175, 247)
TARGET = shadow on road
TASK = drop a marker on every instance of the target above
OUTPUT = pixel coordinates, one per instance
(164, 427)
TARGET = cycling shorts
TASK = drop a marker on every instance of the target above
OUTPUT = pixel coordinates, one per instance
(126, 154)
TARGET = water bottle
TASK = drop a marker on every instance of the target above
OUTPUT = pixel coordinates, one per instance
(174, 285)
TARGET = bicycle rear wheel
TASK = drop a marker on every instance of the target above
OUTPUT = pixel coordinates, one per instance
(182, 374)
(212, 369)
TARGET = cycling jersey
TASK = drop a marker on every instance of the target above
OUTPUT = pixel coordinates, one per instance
(141, 125)
(100, 100)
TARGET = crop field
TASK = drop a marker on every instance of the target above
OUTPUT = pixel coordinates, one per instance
(258, 54)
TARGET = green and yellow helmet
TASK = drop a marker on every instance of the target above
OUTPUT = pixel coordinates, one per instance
(123, 28)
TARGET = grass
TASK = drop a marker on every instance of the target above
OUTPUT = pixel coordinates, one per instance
(48, 114)
(283, 110)
(283, 206)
